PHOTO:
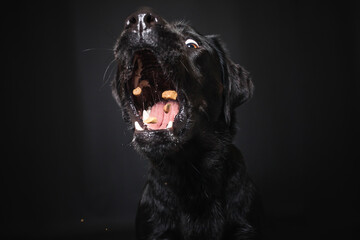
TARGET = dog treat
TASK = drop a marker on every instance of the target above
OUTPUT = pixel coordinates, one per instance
(169, 94)
(167, 108)
(151, 120)
(137, 91)
(144, 83)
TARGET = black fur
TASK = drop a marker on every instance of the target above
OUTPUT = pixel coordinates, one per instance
(197, 186)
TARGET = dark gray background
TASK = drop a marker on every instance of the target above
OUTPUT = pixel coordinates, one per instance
(67, 153)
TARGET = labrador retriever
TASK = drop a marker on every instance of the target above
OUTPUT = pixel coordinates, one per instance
(178, 90)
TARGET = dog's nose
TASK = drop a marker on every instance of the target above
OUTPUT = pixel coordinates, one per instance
(142, 21)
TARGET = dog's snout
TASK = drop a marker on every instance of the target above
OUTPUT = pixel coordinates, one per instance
(142, 21)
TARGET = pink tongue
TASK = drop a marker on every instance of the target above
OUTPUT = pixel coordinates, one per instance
(163, 118)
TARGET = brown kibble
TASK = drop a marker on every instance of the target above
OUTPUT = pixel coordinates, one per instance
(82, 220)
(167, 108)
(137, 91)
(151, 120)
(169, 94)
(144, 83)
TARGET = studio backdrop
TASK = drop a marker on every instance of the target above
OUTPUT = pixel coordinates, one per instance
(69, 170)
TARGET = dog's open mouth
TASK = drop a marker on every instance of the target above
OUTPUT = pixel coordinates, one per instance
(155, 100)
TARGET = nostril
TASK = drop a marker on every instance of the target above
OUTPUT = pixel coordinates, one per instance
(149, 19)
(131, 22)
(141, 21)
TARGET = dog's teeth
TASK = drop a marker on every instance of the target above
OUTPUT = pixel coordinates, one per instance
(137, 127)
(146, 114)
(170, 124)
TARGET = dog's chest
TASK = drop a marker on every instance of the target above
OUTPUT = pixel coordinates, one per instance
(200, 227)
(201, 220)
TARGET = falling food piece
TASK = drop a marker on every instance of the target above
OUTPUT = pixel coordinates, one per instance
(167, 108)
(137, 91)
(151, 120)
(169, 94)
(143, 84)
(82, 220)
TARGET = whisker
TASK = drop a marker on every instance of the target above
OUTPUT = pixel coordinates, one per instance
(109, 76)
(184, 67)
(109, 65)
(93, 49)
(111, 72)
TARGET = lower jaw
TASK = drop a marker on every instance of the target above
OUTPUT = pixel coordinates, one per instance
(146, 128)
(155, 144)
(154, 135)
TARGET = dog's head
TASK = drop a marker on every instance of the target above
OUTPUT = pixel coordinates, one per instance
(173, 83)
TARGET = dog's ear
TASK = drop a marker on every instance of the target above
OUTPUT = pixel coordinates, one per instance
(238, 87)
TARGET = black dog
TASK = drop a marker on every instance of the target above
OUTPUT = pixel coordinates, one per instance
(197, 186)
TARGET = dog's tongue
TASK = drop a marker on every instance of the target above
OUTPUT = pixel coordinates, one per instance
(163, 118)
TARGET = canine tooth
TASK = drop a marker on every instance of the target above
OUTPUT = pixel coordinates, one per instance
(137, 126)
(145, 115)
(170, 124)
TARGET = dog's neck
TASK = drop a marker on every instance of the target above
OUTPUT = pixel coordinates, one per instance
(197, 168)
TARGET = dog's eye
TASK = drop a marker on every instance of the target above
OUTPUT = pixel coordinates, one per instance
(191, 43)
